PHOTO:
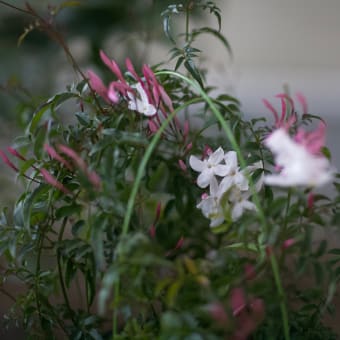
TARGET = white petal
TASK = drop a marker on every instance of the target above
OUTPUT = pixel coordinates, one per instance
(221, 170)
(216, 222)
(150, 110)
(225, 185)
(216, 157)
(231, 159)
(132, 105)
(241, 181)
(214, 187)
(196, 164)
(204, 178)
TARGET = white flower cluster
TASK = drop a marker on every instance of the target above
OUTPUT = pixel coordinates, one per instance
(228, 196)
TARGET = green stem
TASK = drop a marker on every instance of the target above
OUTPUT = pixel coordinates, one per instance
(60, 273)
(37, 277)
(283, 307)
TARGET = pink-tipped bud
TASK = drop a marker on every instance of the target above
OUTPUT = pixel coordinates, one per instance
(179, 243)
(188, 147)
(288, 243)
(98, 86)
(131, 69)
(186, 129)
(112, 94)
(16, 153)
(158, 211)
(112, 65)
(53, 154)
(204, 196)
(182, 165)
(74, 156)
(94, 179)
(237, 300)
(53, 181)
(271, 108)
(302, 100)
(152, 126)
(165, 98)
(207, 151)
(284, 96)
(7, 161)
(152, 231)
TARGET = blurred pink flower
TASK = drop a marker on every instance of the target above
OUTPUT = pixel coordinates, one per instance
(297, 159)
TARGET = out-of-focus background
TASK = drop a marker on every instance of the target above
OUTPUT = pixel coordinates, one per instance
(275, 43)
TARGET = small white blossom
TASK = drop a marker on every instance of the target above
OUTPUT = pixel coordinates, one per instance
(210, 204)
(209, 168)
(239, 202)
(234, 175)
(298, 165)
(141, 105)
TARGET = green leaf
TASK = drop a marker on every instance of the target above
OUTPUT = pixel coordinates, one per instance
(216, 34)
(68, 210)
(191, 67)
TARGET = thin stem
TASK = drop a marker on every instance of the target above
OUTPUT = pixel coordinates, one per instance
(60, 273)
(283, 307)
(37, 274)
(16, 8)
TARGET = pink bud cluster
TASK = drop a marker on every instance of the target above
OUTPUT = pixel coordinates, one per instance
(146, 95)
(77, 161)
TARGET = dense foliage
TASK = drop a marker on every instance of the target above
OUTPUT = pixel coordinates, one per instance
(107, 238)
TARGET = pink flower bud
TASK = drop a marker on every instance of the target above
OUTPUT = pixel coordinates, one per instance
(158, 211)
(131, 69)
(237, 300)
(302, 100)
(94, 179)
(188, 147)
(73, 155)
(186, 129)
(288, 243)
(207, 151)
(152, 231)
(53, 181)
(182, 165)
(112, 65)
(310, 201)
(53, 154)
(98, 86)
(152, 126)
(7, 161)
(16, 153)
(179, 243)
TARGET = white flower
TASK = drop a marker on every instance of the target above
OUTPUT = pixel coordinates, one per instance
(141, 105)
(299, 166)
(210, 204)
(239, 202)
(210, 167)
(234, 176)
